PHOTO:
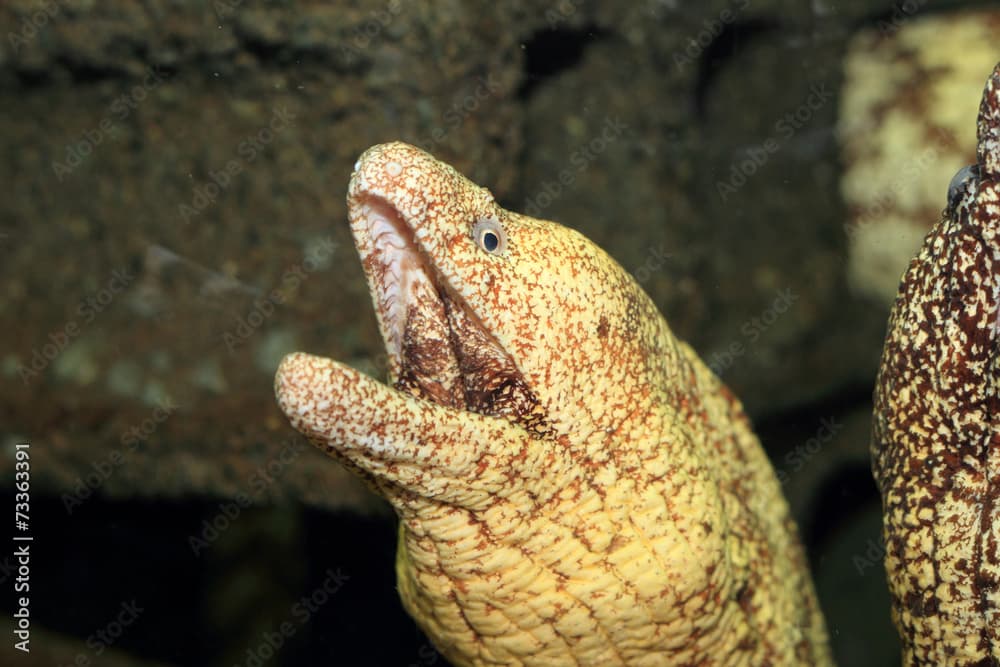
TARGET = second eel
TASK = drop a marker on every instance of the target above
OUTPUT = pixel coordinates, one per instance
(936, 439)
(574, 486)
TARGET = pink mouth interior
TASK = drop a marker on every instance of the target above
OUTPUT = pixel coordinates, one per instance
(438, 349)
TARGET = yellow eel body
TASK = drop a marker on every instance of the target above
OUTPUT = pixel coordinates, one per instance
(574, 486)
(936, 437)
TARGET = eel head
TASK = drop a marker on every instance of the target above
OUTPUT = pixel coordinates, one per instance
(517, 349)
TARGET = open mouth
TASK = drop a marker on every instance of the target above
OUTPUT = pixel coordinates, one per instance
(437, 348)
(410, 303)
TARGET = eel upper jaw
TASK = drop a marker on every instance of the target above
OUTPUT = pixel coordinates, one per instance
(409, 299)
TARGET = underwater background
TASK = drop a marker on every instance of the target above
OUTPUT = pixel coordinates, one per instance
(173, 222)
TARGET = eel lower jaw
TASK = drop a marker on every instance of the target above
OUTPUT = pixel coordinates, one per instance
(411, 449)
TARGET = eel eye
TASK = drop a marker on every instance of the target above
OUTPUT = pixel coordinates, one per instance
(957, 187)
(490, 236)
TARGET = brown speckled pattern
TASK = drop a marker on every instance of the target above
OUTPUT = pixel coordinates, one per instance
(574, 486)
(936, 443)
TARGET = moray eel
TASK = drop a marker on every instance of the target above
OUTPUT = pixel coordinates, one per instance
(574, 486)
(936, 436)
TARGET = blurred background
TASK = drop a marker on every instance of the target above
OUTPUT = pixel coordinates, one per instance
(173, 222)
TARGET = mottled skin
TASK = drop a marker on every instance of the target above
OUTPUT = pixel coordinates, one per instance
(936, 442)
(574, 486)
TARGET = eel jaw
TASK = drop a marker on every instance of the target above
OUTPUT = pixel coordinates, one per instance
(411, 303)
(437, 347)
(457, 420)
